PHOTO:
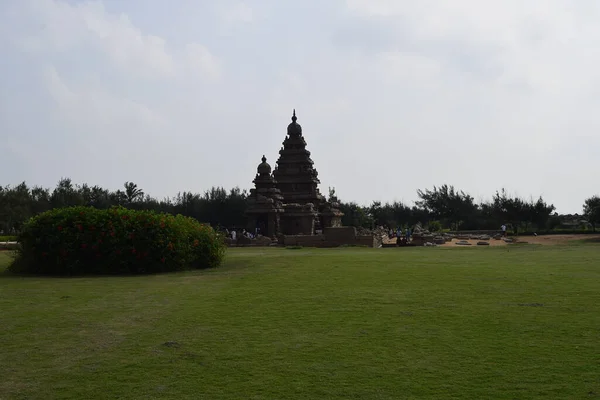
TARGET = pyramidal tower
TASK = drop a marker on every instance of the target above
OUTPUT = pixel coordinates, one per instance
(288, 201)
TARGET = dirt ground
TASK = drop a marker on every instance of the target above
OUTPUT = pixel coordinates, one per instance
(558, 239)
(550, 240)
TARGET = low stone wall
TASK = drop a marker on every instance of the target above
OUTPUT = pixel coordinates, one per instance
(480, 232)
(244, 241)
(9, 245)
(304, 240)
(331, 237)
(321, 241)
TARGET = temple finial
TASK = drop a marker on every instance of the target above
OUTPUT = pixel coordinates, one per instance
(294, 116)
(264, 159)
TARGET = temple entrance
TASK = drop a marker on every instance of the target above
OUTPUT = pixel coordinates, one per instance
(262, 224)
(319, 225)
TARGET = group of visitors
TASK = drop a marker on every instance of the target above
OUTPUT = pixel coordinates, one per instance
(233, 234)
(402, 235)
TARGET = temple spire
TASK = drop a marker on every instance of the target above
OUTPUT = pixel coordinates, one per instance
(294, 128)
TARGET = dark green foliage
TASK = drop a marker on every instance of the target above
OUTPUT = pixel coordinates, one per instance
(215, 206)
(392, 215)
(448, 204)
(86, 240)
(221, 208)
(519, 213)
(434, 226)
(355, 215)
(8, 238)
(591, 209)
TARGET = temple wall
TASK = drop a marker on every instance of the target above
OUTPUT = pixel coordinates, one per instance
(245, 242)
(301, 225)
(347, 233)
(331, 237)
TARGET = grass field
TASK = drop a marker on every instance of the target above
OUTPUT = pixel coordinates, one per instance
(517, 322)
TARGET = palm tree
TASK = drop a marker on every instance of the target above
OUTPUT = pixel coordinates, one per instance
(132, 192)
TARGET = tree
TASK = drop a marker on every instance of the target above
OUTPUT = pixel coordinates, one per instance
(447, 203)
(591, 210)
(520, 213)
(132, 192)
(118, 198)
(355, 215)
(377, 213)
(217, 206)
(402, 214)
(65, 195)
(15, 207)
(541, 213)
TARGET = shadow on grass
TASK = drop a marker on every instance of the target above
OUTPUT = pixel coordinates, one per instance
(590, 240)
(7, 259)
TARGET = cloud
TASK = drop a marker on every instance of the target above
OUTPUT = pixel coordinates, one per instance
(87, 25)
(392, 95)
(79, 105)
(536, 44)
(237, 13)
(202, 62)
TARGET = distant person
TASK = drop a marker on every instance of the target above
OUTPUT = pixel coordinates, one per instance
(503, 227)
(233, 234)
(407, 235)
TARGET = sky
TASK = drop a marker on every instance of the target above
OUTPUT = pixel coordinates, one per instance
(393, 95)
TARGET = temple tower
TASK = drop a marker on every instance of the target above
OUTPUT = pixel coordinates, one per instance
(295, 174)
(264, 203)
(288, 201)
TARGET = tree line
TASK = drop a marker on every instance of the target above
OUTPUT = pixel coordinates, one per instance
(443, 207)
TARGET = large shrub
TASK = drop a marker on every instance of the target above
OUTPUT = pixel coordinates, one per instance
(85, 240)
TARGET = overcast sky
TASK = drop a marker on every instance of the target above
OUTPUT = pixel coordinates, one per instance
(392, 95)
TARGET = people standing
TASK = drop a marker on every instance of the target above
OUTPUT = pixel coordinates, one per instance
(503, 227)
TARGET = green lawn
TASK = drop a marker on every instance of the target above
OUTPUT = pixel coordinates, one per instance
(475, 323)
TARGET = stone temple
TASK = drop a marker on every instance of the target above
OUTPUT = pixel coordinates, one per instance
(287, 200)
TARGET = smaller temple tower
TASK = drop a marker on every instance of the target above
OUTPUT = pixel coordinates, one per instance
(331, 216)
(264, 203)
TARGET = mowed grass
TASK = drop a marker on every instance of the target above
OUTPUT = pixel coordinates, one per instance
(476, 323)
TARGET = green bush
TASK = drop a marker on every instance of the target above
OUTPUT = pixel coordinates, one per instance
(8, 238)
(85, 240)
(435, 226)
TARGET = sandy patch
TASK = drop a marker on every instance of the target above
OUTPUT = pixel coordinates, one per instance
(548, 240)
(558, 239)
